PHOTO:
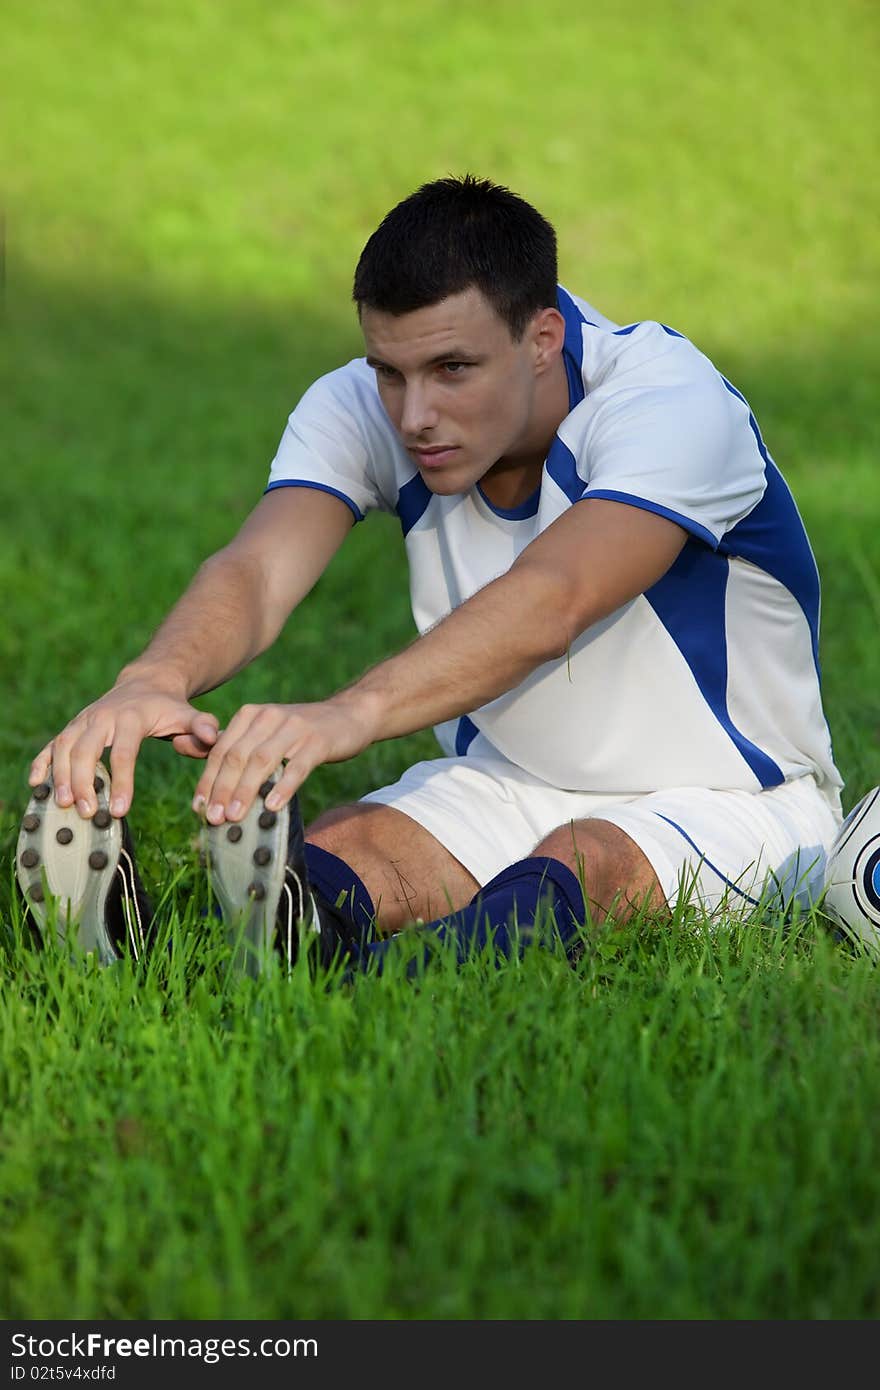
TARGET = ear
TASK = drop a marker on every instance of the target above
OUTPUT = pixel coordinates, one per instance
(547, 332)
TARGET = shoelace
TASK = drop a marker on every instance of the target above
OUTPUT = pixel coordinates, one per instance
(298, 913)
(131, 910)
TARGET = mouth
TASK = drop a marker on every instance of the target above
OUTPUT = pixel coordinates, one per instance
(433, 455)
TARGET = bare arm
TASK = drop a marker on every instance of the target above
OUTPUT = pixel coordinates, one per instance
(596, 557)
(242, 595)
(234, 609)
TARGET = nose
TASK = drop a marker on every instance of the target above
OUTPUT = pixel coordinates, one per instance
(418, 414)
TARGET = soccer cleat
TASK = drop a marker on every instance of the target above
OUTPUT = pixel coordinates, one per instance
(82, 875)
(258, 872)
(247, 862)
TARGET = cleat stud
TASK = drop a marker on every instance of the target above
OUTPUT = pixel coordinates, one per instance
(64, 835)
(234, 833)
(265, 789)
(31, 822)
(258, 891)
(97, 859)
(41, 793)
(30, 859)
(267, 820)
(262, 855)
(36, 893)
(99, 785)
(102, 818)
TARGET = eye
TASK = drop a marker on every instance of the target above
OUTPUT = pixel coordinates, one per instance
(454, 368)
(384, 372)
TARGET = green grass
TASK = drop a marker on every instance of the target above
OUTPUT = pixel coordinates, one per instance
(683, 1125)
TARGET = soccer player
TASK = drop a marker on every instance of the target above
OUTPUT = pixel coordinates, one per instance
(618, 611)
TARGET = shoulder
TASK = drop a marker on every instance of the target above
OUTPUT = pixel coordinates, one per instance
(351, 387)
(344, 404)
(644, 373)
(648, 356)
(624, 356)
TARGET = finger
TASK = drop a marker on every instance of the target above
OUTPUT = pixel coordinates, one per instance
(39, 769)
(188, 724)
(225, 741)
(85, 753)
(127, 740)
(61, 746)
(205, 728)
(222, 769)
(241, 774)
(295, 772)
(242, 759)
(190, 746)
(261, 765)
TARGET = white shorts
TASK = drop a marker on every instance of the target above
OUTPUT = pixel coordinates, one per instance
(726, 850)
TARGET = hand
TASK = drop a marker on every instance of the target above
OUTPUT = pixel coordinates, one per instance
(133, 710)
(260, 737)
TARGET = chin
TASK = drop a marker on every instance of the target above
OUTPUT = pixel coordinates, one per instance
(443, 487)
(448, 484)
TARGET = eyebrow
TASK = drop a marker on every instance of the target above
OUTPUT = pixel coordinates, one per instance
(453, 355)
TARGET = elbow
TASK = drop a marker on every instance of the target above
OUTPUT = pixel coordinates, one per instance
(557, 615)
(560, 639)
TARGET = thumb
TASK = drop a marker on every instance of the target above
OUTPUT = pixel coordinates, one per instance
(190, 746)
(199, 738)
(205, 727)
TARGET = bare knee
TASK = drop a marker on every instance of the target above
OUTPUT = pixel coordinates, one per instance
(408, 874)
(616, 876)
(356, 835)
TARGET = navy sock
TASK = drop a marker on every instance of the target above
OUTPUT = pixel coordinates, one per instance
(503, 911)
(336, 884)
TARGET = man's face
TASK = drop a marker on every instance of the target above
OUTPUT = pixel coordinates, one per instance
(458, 388)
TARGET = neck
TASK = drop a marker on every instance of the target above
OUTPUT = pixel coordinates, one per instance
(512, 480)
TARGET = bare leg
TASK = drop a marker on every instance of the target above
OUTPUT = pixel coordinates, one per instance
(406, 871)
(410, 875)
(614, 873)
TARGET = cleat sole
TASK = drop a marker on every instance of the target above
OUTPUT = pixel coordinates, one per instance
(68, 863)
(246, 863)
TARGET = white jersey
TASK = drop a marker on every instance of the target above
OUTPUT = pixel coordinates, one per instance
(708, 679)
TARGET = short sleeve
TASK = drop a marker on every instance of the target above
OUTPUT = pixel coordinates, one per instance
(686, 450)
(338, 440)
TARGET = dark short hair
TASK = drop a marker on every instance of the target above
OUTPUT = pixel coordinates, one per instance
(457, 233)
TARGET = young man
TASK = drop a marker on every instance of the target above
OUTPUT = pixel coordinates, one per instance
(617, 602)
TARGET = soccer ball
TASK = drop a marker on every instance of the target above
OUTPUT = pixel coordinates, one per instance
(852, 878)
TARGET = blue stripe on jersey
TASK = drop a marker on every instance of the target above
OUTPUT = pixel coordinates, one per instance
(412, 502)
(318, 487)
(631, 328)
(573, 349)
(527, 508)
(704, 860)
(633, 500)
(773, 537)
(756, 537)
(689, 601)
(465, 735)
(562, 469)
